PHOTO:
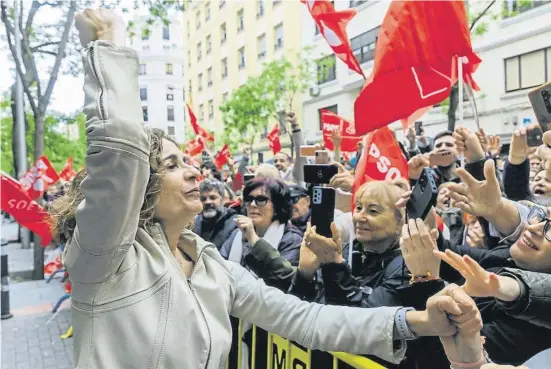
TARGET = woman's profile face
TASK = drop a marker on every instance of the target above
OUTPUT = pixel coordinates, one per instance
(179, 199)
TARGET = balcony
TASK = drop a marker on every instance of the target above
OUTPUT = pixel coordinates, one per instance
(514, 8)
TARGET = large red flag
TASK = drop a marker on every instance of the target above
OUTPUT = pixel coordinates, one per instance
(68, 173)
(332, 122)
(332, 25)
(222, 157)
(273, 139)
(24, 210)
(381, 159)
(197, 128)
(415, 62)
(195, 147)
(39, 178)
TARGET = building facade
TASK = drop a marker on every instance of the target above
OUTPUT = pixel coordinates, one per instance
(160, 48)
(226, 42)
(514, 45)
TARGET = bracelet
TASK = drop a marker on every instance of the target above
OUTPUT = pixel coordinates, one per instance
(483, 360)
(421, 278)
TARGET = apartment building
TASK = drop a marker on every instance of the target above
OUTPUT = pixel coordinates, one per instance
(227, 42)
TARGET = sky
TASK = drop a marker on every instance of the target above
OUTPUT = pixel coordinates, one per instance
(68, 95)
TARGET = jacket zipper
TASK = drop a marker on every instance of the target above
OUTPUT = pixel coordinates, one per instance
(91, 48)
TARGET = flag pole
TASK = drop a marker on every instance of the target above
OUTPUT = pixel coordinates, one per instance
(460, 106)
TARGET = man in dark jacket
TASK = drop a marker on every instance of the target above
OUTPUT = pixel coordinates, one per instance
(216, 223)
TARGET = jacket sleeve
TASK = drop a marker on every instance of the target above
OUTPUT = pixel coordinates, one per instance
(298, 167)
(117, 164)
(516, 180)
(534, 302)
(320, 327)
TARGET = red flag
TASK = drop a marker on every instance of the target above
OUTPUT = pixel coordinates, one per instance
(415, 62)
(197, 128)
(332, 122)
(332, 25)
(381, 159)
(222, 157)
(39, 178)
(24, 210)
(273, 139)
(195, 147)
(68, 173)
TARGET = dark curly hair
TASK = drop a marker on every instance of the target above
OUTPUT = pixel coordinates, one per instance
(280, 195)
(63, 209)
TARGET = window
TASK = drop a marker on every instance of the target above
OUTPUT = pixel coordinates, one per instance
(223, 35)
(208, 44)
(200, 81)
(145, 114)
(201, 112)
(278, 31)
(145, 34)
(142, 69)
(277, 2)
(198, 19)
(143, 93)
(199, 52)
(363, 46)
(354, 3)
(170, 92)
(211, 109)
(170, 130)
(187, 30)
(225, 96)
(527, 70)
(222, 3)
(166, 33)
(224, 67)
(209, 77)
(189, 87)
(240, 21)
(512, 8)
(189, 59)
(170, 113)
(207, 13)
(332, 108)
(184, 94)
(259, 8)
(168, 68)
(326, 69)
(241, 59)
(261, 46)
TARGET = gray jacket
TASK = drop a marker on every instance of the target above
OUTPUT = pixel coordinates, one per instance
(132, 305)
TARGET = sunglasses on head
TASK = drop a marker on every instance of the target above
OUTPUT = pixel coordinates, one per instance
(259, 201)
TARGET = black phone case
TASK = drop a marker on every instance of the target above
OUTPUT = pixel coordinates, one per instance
(423, 197)
(534, 137)
(323, 210)
(248, 177)
(319, 173)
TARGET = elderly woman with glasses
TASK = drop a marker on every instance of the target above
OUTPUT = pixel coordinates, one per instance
(269, 207)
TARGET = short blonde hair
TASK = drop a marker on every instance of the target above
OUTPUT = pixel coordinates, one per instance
(389, 191)
(267, 171)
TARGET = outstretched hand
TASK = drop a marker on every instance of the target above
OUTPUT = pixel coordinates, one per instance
(100, 24)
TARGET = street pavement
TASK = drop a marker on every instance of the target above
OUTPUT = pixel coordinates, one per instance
(31, 338)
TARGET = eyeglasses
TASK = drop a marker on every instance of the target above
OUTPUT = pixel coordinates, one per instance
(538, 215)
(259, 201)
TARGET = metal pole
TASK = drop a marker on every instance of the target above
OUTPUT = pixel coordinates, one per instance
(20, 116)
(5, 307)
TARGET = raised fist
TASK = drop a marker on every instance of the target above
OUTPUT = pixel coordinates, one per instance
(100, 24)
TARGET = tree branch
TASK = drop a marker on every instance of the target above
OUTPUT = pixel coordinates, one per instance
(5, 20)
(35, 48)
(32, 12)
(481, 15)
(45, 99)
(46, 52)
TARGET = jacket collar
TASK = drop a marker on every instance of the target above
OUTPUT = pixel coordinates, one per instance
(187, 237)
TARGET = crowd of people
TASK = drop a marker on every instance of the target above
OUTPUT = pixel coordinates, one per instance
(161, 253)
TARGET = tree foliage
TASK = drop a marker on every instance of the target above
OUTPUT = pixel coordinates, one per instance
(260, 101)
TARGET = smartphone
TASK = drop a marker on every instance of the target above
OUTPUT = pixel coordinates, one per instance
(423, 197)
(442, 158)
(323, 210)
(308, 150)
(322, 157)
(260, 157)
(248, 177)
(534, 137)
(319, 173)
(419, 128)
(540, 98)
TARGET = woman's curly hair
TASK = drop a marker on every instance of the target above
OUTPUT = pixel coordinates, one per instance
(63, 209)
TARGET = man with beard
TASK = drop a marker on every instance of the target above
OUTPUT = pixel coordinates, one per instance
(216, 223)
(301, 207)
